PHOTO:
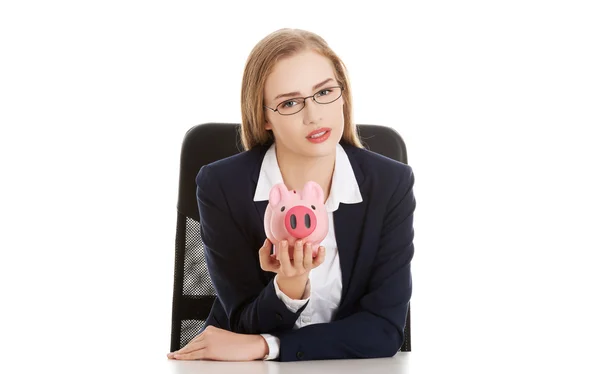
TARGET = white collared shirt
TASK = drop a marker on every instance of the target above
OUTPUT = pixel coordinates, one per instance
(324, 287)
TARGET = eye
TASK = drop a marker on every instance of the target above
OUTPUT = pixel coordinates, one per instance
(324, 92)
(313, 207)
(282, 208)
(289, 104)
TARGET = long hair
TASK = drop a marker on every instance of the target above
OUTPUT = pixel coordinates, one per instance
(263, 57)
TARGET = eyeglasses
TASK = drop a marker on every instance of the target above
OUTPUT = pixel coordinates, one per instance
(324, 96)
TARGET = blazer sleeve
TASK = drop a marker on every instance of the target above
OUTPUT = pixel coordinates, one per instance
(250, 302)
(376, 329)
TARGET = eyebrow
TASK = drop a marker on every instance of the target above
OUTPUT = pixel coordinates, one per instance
(296, 93)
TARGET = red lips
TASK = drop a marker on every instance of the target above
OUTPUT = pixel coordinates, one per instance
(317, 131)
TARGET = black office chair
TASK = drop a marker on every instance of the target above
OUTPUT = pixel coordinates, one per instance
(193, 292)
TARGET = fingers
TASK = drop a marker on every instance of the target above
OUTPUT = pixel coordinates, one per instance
(302, 262)
(189, 348)
(298, 256)
(266, 261)
(284, 259)
(189, 352)
(308, 258)
(320, 257)
(195, 355)
(194, 345)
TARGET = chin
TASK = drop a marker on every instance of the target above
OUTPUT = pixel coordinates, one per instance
(320, 150)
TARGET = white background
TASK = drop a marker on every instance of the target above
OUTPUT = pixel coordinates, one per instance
(498, 103)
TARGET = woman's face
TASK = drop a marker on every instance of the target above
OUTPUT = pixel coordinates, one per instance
(302, 75)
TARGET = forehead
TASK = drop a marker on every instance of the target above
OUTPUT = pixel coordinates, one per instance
(299, 72)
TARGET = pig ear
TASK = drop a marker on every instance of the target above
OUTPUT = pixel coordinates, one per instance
(278, 193)
(312, 190)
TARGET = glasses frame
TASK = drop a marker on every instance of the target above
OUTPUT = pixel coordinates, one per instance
(304, 100)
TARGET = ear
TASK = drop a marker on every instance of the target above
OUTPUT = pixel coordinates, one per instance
(278, 193)
(312, 190)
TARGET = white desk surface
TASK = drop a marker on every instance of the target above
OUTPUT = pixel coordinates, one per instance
(394, 365)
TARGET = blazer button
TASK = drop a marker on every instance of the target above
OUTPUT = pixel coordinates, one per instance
(278, 317)
(300, 354)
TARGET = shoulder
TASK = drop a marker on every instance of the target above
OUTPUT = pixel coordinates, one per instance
(234, 168)
(381, 170)
(388, 184)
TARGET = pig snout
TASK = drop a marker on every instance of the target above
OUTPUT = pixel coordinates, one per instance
(300, 222)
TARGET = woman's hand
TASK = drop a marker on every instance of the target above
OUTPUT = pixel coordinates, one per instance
(302, 263)
(222, 345)
(292, 275)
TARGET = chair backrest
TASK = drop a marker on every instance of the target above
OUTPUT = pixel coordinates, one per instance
(193, 292)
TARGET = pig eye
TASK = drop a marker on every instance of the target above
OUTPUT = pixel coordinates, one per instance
(282, 208)
(312, 206)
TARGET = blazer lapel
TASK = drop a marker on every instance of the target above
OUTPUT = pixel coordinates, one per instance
(348, 224)
(260, 206)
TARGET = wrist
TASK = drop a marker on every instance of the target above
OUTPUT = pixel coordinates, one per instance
(293, 287)
(262, 348)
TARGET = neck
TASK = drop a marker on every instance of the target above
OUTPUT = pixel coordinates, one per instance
(296, 170)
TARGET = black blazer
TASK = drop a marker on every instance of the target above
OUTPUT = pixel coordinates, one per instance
(375, 244)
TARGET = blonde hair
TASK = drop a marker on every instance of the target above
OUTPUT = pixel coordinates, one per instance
(263, 57)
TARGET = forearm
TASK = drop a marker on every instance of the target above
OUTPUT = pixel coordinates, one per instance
(265, 314)
(362, 335)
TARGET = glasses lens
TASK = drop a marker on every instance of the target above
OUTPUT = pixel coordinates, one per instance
(328, 95)
(290, 107)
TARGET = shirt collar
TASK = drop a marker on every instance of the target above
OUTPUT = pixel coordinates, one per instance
(344, 187)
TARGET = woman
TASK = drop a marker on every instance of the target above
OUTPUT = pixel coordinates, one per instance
(351, 300)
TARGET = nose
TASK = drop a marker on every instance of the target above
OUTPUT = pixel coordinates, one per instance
(310, 111)
(300, 222)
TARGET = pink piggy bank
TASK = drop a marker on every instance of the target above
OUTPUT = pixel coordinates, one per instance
(292, 215)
